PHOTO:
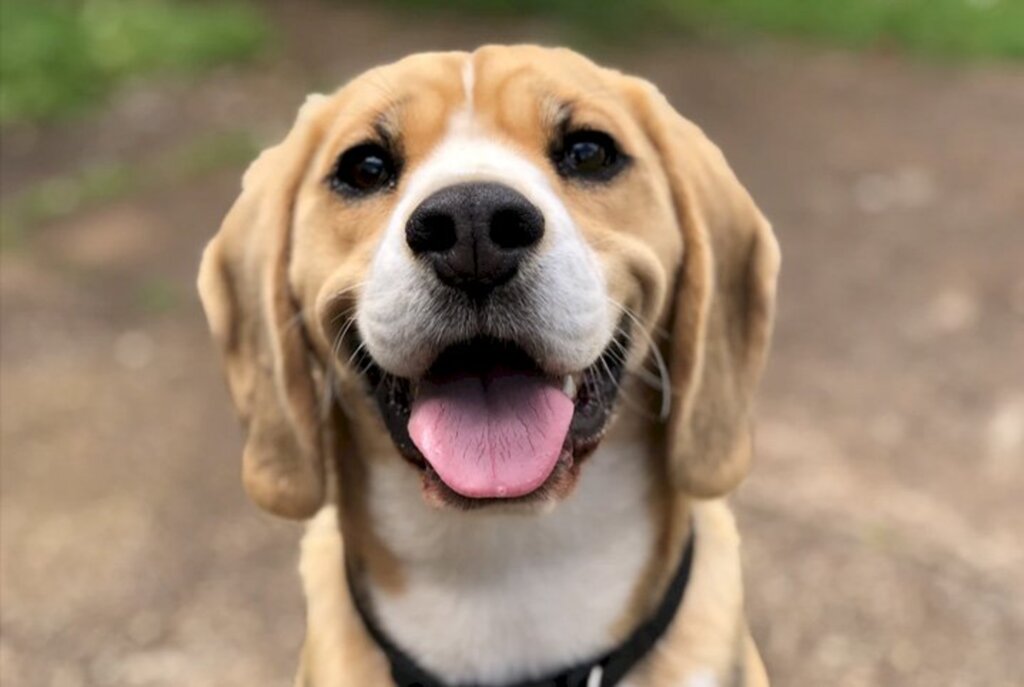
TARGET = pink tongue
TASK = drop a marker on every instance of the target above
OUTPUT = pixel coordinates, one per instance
(498, 438)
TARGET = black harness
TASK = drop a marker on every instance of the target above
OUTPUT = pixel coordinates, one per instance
(603, 671)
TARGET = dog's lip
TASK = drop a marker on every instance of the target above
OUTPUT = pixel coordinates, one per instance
(593, 390)
(354, 349)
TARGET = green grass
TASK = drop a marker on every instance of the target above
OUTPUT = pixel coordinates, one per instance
(97, 184)
(934, 28)
(157, 295)
(60, 56)
(969, 29)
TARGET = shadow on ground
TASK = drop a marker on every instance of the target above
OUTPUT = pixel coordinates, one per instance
(880, 521)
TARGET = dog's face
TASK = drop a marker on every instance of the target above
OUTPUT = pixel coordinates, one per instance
(473, 250)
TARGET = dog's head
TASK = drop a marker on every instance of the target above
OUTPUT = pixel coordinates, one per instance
(473, 251)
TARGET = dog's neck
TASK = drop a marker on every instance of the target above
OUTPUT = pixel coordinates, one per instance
(492, 597)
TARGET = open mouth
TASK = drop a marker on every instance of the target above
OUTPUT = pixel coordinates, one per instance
(487, 423)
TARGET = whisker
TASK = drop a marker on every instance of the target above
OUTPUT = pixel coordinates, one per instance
(663, 372)
(339, 340)
(622, 393)
(300, 313)
(349, 289)
(652, 380)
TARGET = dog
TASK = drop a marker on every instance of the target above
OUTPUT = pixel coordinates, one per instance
(493, 322)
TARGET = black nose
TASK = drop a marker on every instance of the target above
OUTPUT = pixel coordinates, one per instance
(475, 234)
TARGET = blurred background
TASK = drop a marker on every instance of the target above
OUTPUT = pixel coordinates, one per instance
(884, 138)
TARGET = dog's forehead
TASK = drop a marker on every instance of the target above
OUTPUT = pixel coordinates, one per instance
(516, 89)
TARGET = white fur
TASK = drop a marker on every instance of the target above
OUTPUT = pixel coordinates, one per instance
(468, 83)
(493, 596)
(562, 314)
(703, 678)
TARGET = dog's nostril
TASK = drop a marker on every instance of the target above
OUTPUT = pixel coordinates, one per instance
(474, 235)
(431, 232)
(516, 227)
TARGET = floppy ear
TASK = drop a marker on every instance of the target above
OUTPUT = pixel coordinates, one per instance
(243, 284)
(724, 303)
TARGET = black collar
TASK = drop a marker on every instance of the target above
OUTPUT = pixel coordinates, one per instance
(603, 671)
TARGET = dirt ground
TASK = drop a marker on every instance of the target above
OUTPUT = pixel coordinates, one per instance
(881, 521)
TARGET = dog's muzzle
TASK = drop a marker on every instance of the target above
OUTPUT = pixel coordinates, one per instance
(498, 403)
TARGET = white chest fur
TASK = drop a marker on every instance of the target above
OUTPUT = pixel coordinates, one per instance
(499, 596)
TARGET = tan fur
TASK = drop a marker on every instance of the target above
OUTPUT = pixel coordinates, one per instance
(703, 633)
(337, 650)
(681, 245)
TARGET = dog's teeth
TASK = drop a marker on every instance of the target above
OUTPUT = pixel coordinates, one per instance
(569, 387)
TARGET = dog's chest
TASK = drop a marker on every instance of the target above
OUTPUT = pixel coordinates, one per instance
(496, 596)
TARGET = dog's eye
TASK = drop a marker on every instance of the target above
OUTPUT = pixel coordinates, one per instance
(588, 154)
(363, 169)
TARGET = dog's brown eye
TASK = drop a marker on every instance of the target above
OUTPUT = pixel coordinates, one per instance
(588, 154)
(363, 169)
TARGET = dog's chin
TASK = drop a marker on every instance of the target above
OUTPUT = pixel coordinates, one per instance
(483, 362)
